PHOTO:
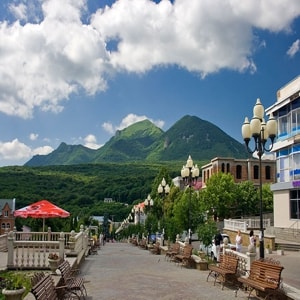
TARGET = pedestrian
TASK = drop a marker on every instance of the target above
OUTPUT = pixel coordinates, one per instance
(238, 241)
(252, 238)
(218, 241)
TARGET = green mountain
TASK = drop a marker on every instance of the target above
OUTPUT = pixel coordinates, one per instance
(143, 141)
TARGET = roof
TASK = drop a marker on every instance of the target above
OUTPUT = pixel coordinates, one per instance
(11, 203)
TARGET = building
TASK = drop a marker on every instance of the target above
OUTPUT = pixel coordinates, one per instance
(7, 219)
(286, 189)
(241, 169)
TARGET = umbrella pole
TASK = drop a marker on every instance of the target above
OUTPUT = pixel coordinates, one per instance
(43, 229)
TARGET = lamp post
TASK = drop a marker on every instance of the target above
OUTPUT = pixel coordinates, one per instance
(163, 190)
(261, 132)
(148, 204)
(189, 174)
(137, 210)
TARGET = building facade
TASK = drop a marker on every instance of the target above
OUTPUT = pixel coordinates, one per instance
(286, 189)
(7, 219)
(240, 169)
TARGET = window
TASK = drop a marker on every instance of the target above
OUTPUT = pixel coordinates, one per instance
(238, 173)
(7, 225)
(227, 168)
(255, 172)
(6, 213)
(295, 204)
(268, 172)
(223, 167)
(3, 225)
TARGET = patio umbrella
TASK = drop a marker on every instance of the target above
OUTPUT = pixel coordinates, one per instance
(41, 210)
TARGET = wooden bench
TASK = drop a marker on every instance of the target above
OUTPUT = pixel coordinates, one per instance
(43, 288)
(264, 278)
(155, 249)
(72, 282)
(225, 271)
(185, 257)
(174, 250)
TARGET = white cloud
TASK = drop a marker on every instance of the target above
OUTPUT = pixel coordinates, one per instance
(19, 11)
(17, 153)
(294, 49)
(42, 150)
(56, 54)
(14, 150)
(33, 136)
(129, 120)
(90, 141)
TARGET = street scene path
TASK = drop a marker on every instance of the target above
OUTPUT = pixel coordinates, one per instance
(124, 271)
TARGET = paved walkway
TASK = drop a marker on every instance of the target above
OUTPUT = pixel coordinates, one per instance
(123, 271)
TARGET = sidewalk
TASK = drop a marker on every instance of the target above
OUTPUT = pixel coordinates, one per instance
(124, 271)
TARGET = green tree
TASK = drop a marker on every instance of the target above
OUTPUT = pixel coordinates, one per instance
(247, 199)
(219, 195)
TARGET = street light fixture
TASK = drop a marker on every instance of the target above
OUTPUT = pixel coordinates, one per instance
(163, 190)
(189, 174)
(148, 204)
(261, 132)
(138, 211)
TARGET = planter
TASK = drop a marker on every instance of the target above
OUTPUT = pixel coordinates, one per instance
(13, 294)
(280, 252)
(202, 265)
(53, 264)
(268, 251)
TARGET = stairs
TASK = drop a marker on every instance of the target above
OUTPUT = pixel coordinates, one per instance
(287, 238)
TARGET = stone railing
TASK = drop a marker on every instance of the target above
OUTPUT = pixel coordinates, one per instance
(3, 243)
(31, 250)
(244, 224)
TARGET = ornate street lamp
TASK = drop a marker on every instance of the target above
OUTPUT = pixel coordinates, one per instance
(261, 132)
(148, 204)
(189, 174)
(163, 190)
(138, 211)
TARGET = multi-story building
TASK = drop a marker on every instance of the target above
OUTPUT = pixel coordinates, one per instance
(286, 190)
(241, 169)
(7, 219)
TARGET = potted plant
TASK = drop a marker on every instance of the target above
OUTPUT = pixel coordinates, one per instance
(53, 260)
(279, 250)
(13, 286)
(268, 249)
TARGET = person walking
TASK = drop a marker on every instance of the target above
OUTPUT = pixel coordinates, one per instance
(252, 238)
(238, 241)
(218, 241)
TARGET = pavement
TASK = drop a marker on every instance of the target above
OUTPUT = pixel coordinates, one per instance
(123, 271)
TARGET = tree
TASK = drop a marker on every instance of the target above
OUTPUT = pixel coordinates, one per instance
(247, 199)
(220, 195)
(206, 231)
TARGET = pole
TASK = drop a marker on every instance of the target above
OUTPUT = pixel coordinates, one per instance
(190, 198)
(261, 237)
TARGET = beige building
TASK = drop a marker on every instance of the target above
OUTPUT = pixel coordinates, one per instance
(240, 169)
(286, 189)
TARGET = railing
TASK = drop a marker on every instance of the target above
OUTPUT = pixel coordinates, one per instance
(295, 228)
(244, 224)
(30, 250)
(3, 242)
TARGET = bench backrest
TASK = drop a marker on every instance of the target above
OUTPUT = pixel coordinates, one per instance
(65, 269)
(176, 248)
(44, 289)
(229, 262)
(187, 250)
(266, 272)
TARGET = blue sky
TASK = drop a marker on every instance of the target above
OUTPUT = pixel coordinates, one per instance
(75, 71)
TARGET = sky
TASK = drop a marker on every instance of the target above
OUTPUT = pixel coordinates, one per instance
(75, 71)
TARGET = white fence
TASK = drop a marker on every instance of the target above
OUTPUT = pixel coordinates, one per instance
(31, 251)
(244, 224)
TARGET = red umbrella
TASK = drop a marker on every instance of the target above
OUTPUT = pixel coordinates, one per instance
(41, 210)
